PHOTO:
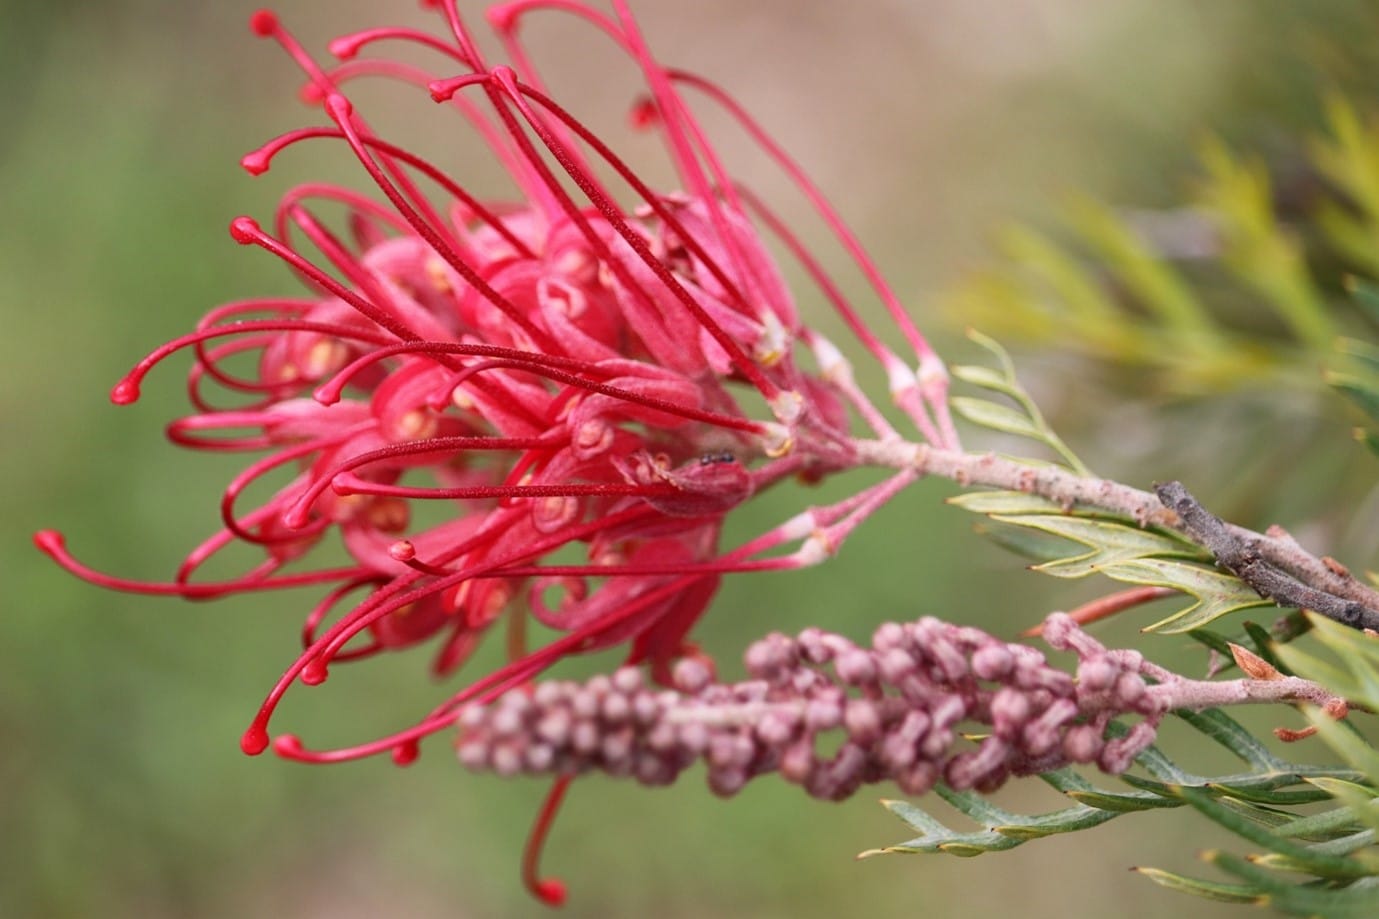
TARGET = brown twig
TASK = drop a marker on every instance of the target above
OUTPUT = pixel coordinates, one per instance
(1284, 557)
(1243, 560)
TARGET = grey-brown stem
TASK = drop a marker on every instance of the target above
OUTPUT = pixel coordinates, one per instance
(1068, 489)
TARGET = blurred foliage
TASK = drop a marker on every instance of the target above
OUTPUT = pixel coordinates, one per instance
(1115, 292)
(1236, 288)
(1080, 541)
(1271, 804)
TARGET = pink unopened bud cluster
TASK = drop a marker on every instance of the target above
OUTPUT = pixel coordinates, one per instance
(899, 706)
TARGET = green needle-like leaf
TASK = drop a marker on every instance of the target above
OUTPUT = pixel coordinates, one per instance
(1305, 858)
(1217, 593)
(1208, 890)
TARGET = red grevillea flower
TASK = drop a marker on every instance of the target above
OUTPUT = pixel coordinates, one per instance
(595, 364)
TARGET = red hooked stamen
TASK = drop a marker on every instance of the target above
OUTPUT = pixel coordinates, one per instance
(644, 115)
(218, 421)
(297, 516)
(340, 111)
(322, 610)
(209, 547)
(457, 27)
(289, 746)
(246, 231)
(261, 468)
(54, 545)
(673, 110)
(357, 274)
(263, 23)
(671, 408)
(394, 596)
(612, 213)
(322, 80)
(127, 390)
(403, 551)
(358, 204)
(444, 90)
(647, 195)
(724, 564)
(550, 891)
(683, 135)
(404, 73)
(346, 484)
(936, 388)
(208, 363)
(530, 180)
(258, 161)
(329, 392)
(504, 17)
(255, 738)
(505, 21)
(347, 46)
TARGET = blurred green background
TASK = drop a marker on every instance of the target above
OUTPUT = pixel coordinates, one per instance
(122, 789)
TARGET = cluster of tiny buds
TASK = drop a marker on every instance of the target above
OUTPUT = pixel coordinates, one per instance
(831, 716)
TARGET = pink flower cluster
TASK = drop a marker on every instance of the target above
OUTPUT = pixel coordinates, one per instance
(898, 705)
(589, 364)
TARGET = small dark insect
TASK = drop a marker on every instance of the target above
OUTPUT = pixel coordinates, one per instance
(713, 459)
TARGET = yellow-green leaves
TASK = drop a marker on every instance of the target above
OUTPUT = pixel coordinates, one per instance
(1017, 414)
(1080, 542)
(1177, 291)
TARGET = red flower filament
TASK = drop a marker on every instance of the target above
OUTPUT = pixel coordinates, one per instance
(563, 369)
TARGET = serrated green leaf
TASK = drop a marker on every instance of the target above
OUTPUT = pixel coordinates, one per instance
(1217, 593)
(1207, 890)
(1105, 542)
